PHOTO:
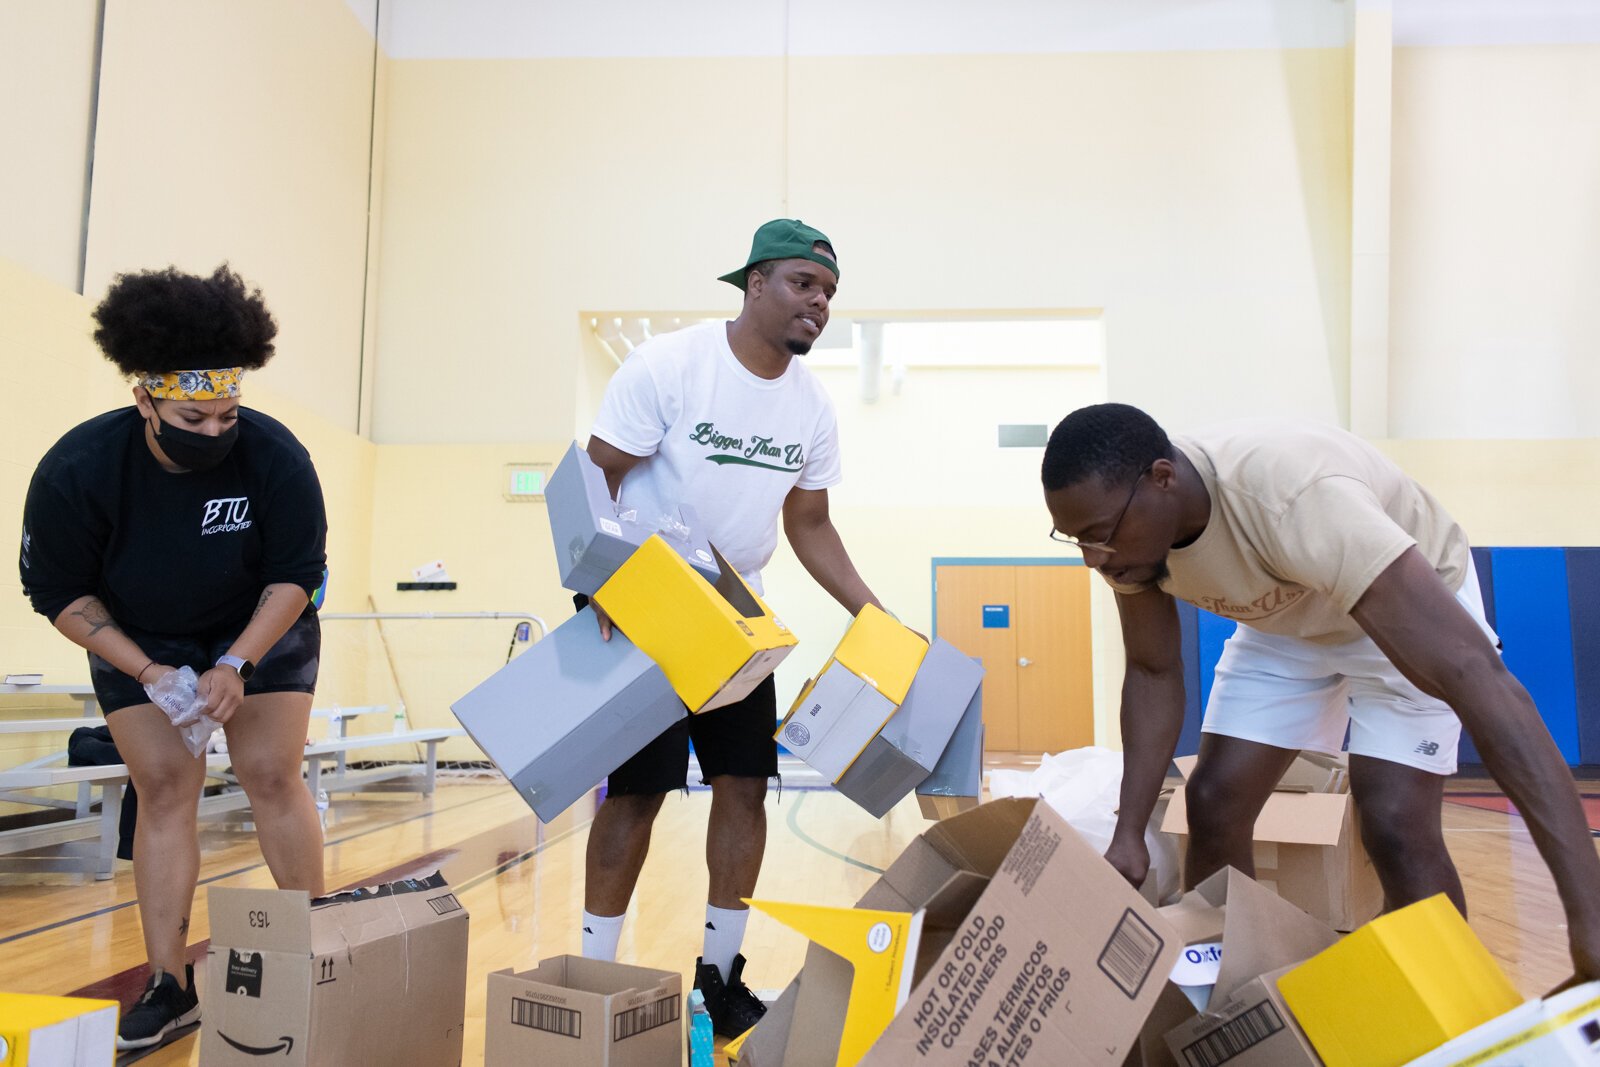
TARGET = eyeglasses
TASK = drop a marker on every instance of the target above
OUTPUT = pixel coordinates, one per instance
(1102, 546)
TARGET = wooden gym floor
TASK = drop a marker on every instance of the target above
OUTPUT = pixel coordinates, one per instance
(523, 885)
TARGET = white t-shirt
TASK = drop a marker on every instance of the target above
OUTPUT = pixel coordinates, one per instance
(724, 441)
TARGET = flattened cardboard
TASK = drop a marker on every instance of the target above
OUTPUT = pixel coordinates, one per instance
(911, 744)
(1258, 932)
(715, 642)
(1307, 844)
(584, 1013)
(567, 712)
(1420, 969)
(370, 978)
(1058, 961)
(594, 535)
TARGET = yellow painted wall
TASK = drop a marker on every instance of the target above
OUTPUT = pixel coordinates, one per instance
(46, 78)
(241, 131)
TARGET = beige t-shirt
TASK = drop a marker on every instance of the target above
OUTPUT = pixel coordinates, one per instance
(1303, 518)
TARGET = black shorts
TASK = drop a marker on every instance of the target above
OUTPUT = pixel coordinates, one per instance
(290, 666)
(734, 740)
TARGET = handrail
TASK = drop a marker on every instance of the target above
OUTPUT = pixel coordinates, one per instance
(544, 629)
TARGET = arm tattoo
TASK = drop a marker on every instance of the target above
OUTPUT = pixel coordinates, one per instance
(183, 927)
(266, 595)
(97, 617)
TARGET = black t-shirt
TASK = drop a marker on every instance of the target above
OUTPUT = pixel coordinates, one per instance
(171, 553)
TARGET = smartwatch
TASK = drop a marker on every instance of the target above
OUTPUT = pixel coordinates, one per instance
(243, 666)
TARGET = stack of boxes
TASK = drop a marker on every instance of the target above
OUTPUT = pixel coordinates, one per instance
(887, 714)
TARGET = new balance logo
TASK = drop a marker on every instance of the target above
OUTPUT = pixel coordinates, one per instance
(226, 514)
(1428, 748)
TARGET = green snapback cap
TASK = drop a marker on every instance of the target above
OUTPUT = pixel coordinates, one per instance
(783, 239)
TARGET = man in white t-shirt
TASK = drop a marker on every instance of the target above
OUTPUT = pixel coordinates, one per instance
(723, 417)
(1357, 604)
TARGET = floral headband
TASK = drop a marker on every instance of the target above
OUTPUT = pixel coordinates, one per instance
(194, 384)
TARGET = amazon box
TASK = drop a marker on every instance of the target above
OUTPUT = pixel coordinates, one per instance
(370, 978)
(905, 752)
(584, 1013)
(594, 535)
(1307, 842)
(568, 711)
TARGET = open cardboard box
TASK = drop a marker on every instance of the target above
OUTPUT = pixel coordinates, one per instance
(837, 715)
(1030, 943)
(947, 688)
(567, 712)
(584, 1013)
(1307, 842)
(594, 534)
(715, 642)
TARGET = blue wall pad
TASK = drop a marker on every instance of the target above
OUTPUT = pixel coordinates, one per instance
(1483, 560)
(1583, 593)
(1214, 631)
(1189, 739)
(1533, 618)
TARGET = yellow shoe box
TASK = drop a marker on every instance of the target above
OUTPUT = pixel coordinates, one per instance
(40, 1031)
(1398, 987)
(837, 715)
(715, 643)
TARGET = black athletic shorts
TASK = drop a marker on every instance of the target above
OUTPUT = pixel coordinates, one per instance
(290, 666)
(734, 740)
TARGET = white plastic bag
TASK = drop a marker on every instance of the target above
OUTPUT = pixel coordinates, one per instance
(177, 694)
(1084, 786)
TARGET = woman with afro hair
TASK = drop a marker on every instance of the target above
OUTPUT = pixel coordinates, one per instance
(186, 530)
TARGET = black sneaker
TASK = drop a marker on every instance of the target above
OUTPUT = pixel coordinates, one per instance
(731, 1005)
(161, 1009)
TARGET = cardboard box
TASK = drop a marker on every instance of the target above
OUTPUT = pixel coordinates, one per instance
(1253, 1027)
(868, 676)
(1561, 1030)
(1420, 970)
(956, 782)
(915, 738)
(594, 535)
(1307, 842)
(584, 1013)
(715, 642)
(568, 711)
(370, 978)
(1233, 931)
(1031, 945)
(38, 1031)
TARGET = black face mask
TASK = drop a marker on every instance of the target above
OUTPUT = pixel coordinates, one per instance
(195, 451)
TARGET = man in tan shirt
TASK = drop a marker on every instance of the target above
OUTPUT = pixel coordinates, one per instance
(1357, 604)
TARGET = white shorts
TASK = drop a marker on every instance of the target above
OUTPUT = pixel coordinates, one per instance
(1291, 693)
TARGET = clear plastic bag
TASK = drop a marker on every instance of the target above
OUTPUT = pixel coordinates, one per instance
(177, 694)
(671, 526)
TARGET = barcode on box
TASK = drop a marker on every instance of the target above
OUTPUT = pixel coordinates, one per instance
(1234, 1037)
(445, 904)
(546, 1017)
(646, 1017)
(1130, 954)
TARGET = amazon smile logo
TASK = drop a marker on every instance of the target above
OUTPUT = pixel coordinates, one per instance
(285, 1045)
(759, 452)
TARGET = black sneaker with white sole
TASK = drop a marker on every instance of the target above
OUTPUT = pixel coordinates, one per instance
(163, 1007)
(731, 1005)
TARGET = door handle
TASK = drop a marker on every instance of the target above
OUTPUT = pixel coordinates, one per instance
(1024, 662)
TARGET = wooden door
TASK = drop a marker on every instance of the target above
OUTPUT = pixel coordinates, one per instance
(1030, 626)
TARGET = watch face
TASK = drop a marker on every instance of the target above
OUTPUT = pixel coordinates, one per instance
(246, 669)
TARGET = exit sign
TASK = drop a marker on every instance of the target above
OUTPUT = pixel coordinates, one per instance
(525, 481)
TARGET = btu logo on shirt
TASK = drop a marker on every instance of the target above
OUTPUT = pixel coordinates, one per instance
(226, 514)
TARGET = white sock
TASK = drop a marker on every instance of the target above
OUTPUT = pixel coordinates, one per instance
(724, 937)
(600, 935)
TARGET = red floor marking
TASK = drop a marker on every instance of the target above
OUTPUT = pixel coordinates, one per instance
(125, 986)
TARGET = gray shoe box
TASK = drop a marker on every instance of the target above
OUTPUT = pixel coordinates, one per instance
(914, 741)
(569, 711)
(959, 772)
(594, 535)
(836, 721)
